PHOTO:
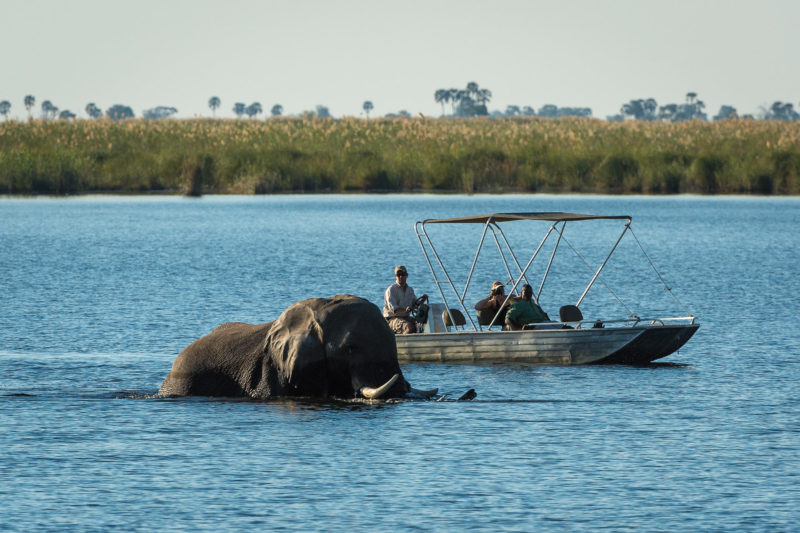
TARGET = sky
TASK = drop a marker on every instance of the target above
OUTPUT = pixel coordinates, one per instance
(301, 53)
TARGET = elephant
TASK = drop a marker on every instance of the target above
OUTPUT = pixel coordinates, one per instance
(321, 347)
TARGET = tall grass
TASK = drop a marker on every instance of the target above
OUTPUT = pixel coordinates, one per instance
(474, 155)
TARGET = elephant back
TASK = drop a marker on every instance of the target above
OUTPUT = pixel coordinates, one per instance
(221, 363)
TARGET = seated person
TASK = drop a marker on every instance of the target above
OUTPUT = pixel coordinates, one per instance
(524, 310)
(487, 308)
(398, 301)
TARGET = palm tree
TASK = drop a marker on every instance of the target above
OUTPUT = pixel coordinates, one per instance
(323, 111)
(214, 103)
(119, 112)
(699, 105)
(93, 111)
(367, 108)
(725, 112)
(483, 96)
(465, 102)
(239, 109)
(30, 100)
(634, 108)
(253, 109)
(453, 98)
(47, 108)
(650, 107)
(5, 107)
(667, 112)
(442, 96)
(472, 88)
(548, 111)
(277, 110)
(640, 109)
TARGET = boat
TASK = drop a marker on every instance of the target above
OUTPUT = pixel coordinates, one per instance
(452, 332)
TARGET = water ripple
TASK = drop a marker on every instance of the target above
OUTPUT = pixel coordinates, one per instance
(100, 294)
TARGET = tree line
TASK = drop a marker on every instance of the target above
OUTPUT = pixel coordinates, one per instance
(49, 111)
(694, 109)
(471, 101)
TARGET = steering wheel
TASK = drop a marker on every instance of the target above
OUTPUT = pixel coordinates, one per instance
(419, 311)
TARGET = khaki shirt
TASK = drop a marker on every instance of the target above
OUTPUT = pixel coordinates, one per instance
(396, 299)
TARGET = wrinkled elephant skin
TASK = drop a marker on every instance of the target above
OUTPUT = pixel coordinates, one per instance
(321, 347)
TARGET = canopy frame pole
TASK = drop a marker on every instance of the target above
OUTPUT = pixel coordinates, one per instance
(660, 277)
(513, 255)
(600, 279)
(502, 255)
(552, 256)
(523, 271)
(596, 274)
(475, 261)
(419, 229)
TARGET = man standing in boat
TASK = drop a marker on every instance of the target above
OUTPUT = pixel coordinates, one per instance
(398, 301)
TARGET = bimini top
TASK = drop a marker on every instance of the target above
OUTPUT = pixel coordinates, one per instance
(506, 217)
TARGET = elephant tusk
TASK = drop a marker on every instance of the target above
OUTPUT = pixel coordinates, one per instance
(424, 393)
(370, 393)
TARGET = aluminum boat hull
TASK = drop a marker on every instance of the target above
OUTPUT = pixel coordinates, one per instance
(628, 345)
(654, 343)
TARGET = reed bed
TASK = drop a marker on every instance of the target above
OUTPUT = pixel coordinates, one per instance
(459, 155)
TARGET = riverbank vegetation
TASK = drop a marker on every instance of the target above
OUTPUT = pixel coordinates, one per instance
(284, 155)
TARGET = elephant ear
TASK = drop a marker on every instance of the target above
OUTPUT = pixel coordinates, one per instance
(295, 347)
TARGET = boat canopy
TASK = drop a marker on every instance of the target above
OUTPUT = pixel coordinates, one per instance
(514, 269)
(507, 217)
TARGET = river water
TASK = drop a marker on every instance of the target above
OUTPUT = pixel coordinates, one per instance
(99, 294)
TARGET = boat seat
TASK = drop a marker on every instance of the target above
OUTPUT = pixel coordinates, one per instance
(570, 313)
(458, 317)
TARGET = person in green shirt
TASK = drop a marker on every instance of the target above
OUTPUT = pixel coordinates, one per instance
(524, 310)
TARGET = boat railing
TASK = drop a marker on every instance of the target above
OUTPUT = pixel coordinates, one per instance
(631, 321)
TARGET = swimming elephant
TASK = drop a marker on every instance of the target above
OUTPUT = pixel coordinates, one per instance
(322, 347)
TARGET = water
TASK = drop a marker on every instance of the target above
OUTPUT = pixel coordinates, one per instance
(99, 294)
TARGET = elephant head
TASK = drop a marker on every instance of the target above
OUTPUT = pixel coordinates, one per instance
(320, 347)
